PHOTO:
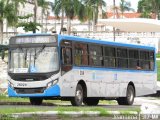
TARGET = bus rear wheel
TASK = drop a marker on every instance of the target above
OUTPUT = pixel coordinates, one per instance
(129, 99)
(91, 101)
(78, 99)
(35, 101)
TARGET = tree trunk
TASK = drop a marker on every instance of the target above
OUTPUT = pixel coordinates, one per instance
(46, 21)
(62, 21)
(42, 30)
(68, 26)
(35, 13)
(1, 31)
(94, 17)
(89, 26)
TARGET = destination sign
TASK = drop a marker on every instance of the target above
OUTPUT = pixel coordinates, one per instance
(33, 39)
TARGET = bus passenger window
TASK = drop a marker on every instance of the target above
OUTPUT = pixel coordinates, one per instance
(144, 60)
(109, 59)
(95, 55)
(122, 58)
(134, 59)
(81, 54)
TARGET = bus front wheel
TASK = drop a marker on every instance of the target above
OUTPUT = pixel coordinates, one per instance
(129, 99)
(35, 101)
(78, 99)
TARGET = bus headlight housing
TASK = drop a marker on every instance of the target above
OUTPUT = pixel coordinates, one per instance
(10, 84)
(53, 82)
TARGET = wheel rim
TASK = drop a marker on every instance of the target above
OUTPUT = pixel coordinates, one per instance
(79, 95)
(130, 95)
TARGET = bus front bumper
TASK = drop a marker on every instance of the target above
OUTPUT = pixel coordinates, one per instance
(53, 91)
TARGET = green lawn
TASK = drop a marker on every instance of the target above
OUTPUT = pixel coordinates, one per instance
(158, 55)
(158, 70)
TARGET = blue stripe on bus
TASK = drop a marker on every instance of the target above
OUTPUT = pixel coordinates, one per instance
(50, 92)
(104, 42)
(113, 69)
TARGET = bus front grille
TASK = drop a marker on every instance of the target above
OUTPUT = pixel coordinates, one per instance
(29, 90)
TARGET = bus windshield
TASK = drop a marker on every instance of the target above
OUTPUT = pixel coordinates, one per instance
(34, 60)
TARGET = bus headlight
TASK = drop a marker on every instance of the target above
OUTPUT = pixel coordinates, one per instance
(52, 83)
(10, 84)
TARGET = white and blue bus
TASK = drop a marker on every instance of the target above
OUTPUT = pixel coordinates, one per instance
(81, 70)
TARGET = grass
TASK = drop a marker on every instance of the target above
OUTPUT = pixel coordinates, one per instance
(158, 70)
(4, 98)
(17, 110)
(158, 55)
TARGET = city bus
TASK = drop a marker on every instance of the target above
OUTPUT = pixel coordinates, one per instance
(80, 70)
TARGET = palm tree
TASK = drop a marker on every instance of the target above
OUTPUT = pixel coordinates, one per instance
(7, 12)
(70, 8)
(92, 6)
(16, 4)
(35, 13)
(58, 7)
(156, 7)
(146, 7)
(45, 6)
(125, 6)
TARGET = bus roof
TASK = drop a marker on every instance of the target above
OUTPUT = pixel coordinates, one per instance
(92, 40)
(133, 24)
(105, 42)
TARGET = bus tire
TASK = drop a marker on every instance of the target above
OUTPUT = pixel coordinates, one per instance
(35, 101)
(91, 101)
(78, 99)
(129, 99)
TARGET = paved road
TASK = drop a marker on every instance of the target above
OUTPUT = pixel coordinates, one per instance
(138, 103)
(146, 105)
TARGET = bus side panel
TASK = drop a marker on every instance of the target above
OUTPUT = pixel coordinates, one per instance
(68, 84)
(107, 83)
(149, 83)
(144, 82)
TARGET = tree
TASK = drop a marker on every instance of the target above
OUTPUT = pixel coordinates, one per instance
(125, 6)
(35, 2)
(70, 8)
(7, 12)
(92, 9)
(58, 7)
(45, 6)
(27, 26)
(146, 7)
(16, 4)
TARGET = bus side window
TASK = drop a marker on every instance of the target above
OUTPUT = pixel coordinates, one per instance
(66, 59)
(81, 54)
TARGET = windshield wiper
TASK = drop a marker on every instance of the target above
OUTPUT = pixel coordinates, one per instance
(25, 53)
(38, 53)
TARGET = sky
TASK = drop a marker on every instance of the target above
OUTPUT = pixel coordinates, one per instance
(134, 3)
